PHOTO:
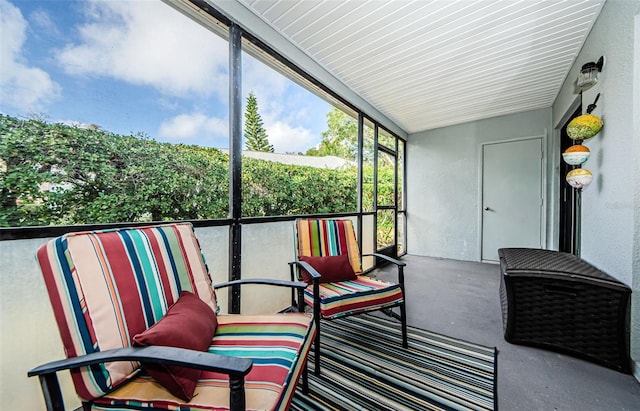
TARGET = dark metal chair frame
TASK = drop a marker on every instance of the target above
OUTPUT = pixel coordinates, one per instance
(236, 368)
(402, 317)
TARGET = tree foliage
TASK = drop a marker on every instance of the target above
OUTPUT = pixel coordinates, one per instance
(341, 138)
(55, 174)
(271, 189)
(255, 135)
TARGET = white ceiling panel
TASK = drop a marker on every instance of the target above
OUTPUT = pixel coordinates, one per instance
(428, 64)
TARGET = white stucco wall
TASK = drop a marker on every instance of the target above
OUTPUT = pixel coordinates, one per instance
(635, 314)
(443, 175)
(608, 204)
(610, 213)
(442, 165)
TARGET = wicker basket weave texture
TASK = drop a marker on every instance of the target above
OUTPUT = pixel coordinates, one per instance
(560, 302)
(553, 262)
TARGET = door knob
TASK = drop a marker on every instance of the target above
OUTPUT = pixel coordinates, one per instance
(487, 208)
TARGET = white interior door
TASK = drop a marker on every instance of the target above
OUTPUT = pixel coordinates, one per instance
(512, 196)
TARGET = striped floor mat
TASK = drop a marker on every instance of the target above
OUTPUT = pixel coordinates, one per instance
(364, 367)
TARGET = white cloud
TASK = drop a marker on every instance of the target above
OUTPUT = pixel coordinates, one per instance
(22, 87)
(151, 44)
(286, 138)
(74, 123)
(284, 122)
(41, 19)
(265, 83)
(196, 128)
(148, 43)
(286, 109)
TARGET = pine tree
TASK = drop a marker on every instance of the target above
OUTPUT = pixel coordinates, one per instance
(254, 132)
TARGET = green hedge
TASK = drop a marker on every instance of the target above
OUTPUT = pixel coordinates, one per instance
(54, 174)
(271, 189)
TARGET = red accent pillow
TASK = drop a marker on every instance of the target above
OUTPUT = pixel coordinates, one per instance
(189, 323)
(332, 268)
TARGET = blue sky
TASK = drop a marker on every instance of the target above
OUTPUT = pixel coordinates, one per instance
(139, 66)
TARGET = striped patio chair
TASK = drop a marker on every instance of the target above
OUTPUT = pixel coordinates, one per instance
(137, 315)
(329, 260)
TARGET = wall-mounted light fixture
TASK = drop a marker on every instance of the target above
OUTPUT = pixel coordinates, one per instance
(588, 75)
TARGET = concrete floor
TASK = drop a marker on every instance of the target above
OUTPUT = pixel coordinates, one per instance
(461, 299)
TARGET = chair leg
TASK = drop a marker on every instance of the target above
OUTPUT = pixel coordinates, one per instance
(305, 379)
(403, 314)
(316, 345)
(403, 307)
(403, 321)
(236, 396)
(316, 316)
(51, 392)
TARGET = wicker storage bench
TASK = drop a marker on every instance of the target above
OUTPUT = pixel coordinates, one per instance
(557, 301)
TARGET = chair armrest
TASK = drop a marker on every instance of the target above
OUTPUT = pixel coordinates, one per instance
(386, 258)
(153, 354)
(315, 278)
(235, 367)
(312, 271)
(277, 283)
(398, 263)
(298, 286)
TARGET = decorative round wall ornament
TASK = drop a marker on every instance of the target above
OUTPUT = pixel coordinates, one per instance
(584, 127)
(579, 178)
(576, 154)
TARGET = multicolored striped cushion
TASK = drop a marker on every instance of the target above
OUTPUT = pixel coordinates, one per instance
(352, 297)
(317, 238)
(107, 286)
(274, 343)
(339, 299)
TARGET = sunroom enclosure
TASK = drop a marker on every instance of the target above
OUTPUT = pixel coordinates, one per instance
(374, 152)
(441, 174)
(240, 245)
